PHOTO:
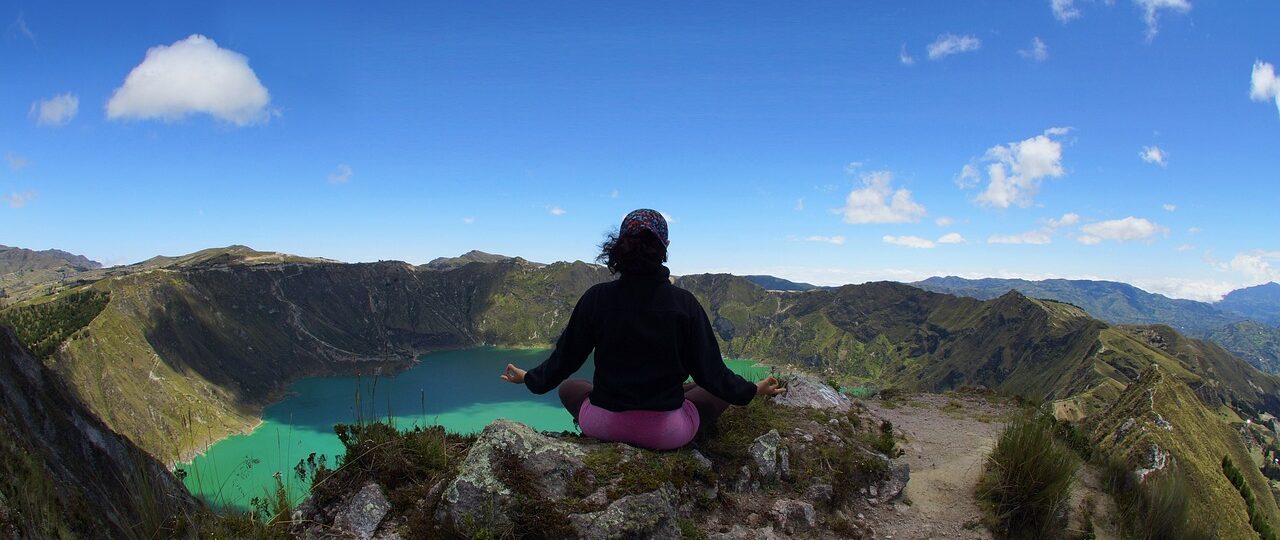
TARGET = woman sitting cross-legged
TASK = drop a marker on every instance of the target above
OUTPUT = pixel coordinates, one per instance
(649, 336)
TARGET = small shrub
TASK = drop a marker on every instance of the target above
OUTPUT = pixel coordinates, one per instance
(1028, 478)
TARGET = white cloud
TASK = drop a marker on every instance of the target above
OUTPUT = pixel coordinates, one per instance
(1057, 131)
(949, 44)
(909, 241)
(1120, 230)
(1257, 265)
(944, 221)
(853, 166)
(951, 238)
(968, 177)
(191, 76)
(1064, 10)
(837, 240)
(904, 57)
(1185, 248)
(1032, 237)
(1015, 170)
(613, 194)
(555, 210)
(1038, 51)
(341, 175)
(468, 220)
(1153, 154)
(1204, 291)
(1151, 9)
(878, 202)
(1193, 230)
(55, 111)
(1263, 83)
(799, 204)
(1169, 207)
(18, 200)
(16, 162)
(1068, 219)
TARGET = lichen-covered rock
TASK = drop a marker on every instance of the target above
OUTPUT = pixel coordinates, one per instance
(739, 532)
(891, 487)
(362, 514)
(772, 460)
(810, 392)
(647, 515)
(793, 515)
(479, 496)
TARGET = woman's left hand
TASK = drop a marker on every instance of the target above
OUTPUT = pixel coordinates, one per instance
(513, 374)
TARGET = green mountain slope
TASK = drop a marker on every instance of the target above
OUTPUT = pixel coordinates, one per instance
(63, 473)
(25, 273)
(1120, 303)
(1157, 427)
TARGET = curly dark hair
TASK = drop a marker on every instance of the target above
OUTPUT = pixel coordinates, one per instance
(634, 253)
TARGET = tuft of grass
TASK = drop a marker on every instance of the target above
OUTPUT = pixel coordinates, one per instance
(1156, 509)
(1028, 478)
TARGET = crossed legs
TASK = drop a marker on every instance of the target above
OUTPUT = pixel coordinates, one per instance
(574, 392)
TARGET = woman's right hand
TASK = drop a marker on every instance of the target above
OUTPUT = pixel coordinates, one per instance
(769, 386)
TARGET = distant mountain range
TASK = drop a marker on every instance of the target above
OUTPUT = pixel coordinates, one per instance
(1241, 322)
(23, 269)
(770, 283)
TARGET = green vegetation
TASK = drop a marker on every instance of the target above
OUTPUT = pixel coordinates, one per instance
(42, 327)
(1256, 519)
(1028, 478)
(1154, 509)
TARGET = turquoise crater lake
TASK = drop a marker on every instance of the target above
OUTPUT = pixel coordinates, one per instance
(457, 389)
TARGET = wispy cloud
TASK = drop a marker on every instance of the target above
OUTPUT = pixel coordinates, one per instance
(19, 28)
(1038, 237)
(1064, 10)
(468, 220)
(1038, 50)
(555, 210)
(944, 221)
(878, 202)
(905, 57)
(18, 200)
(1151, 12)
(949, 44)
(1170, 207)
(16, 162)
(909, 241)
(56, 111)
(613, 194)
(191, 76)
(1119, 230)
(1153, 154)
(799, 207)
(951, 238)
(837, 240)
(341, 175)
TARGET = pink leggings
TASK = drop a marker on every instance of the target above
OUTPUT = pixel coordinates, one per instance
(656, 430)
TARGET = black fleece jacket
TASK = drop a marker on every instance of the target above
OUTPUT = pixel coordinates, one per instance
(649, 336)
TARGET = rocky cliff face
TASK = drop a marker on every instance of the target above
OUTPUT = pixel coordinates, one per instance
(63, 473)
(798, 467)
(188, 351)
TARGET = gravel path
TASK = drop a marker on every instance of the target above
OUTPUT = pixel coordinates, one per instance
(947, 438)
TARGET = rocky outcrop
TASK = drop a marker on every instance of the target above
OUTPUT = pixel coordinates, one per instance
(798, 471)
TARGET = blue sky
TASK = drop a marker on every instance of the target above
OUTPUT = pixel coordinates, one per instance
(829, 142)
